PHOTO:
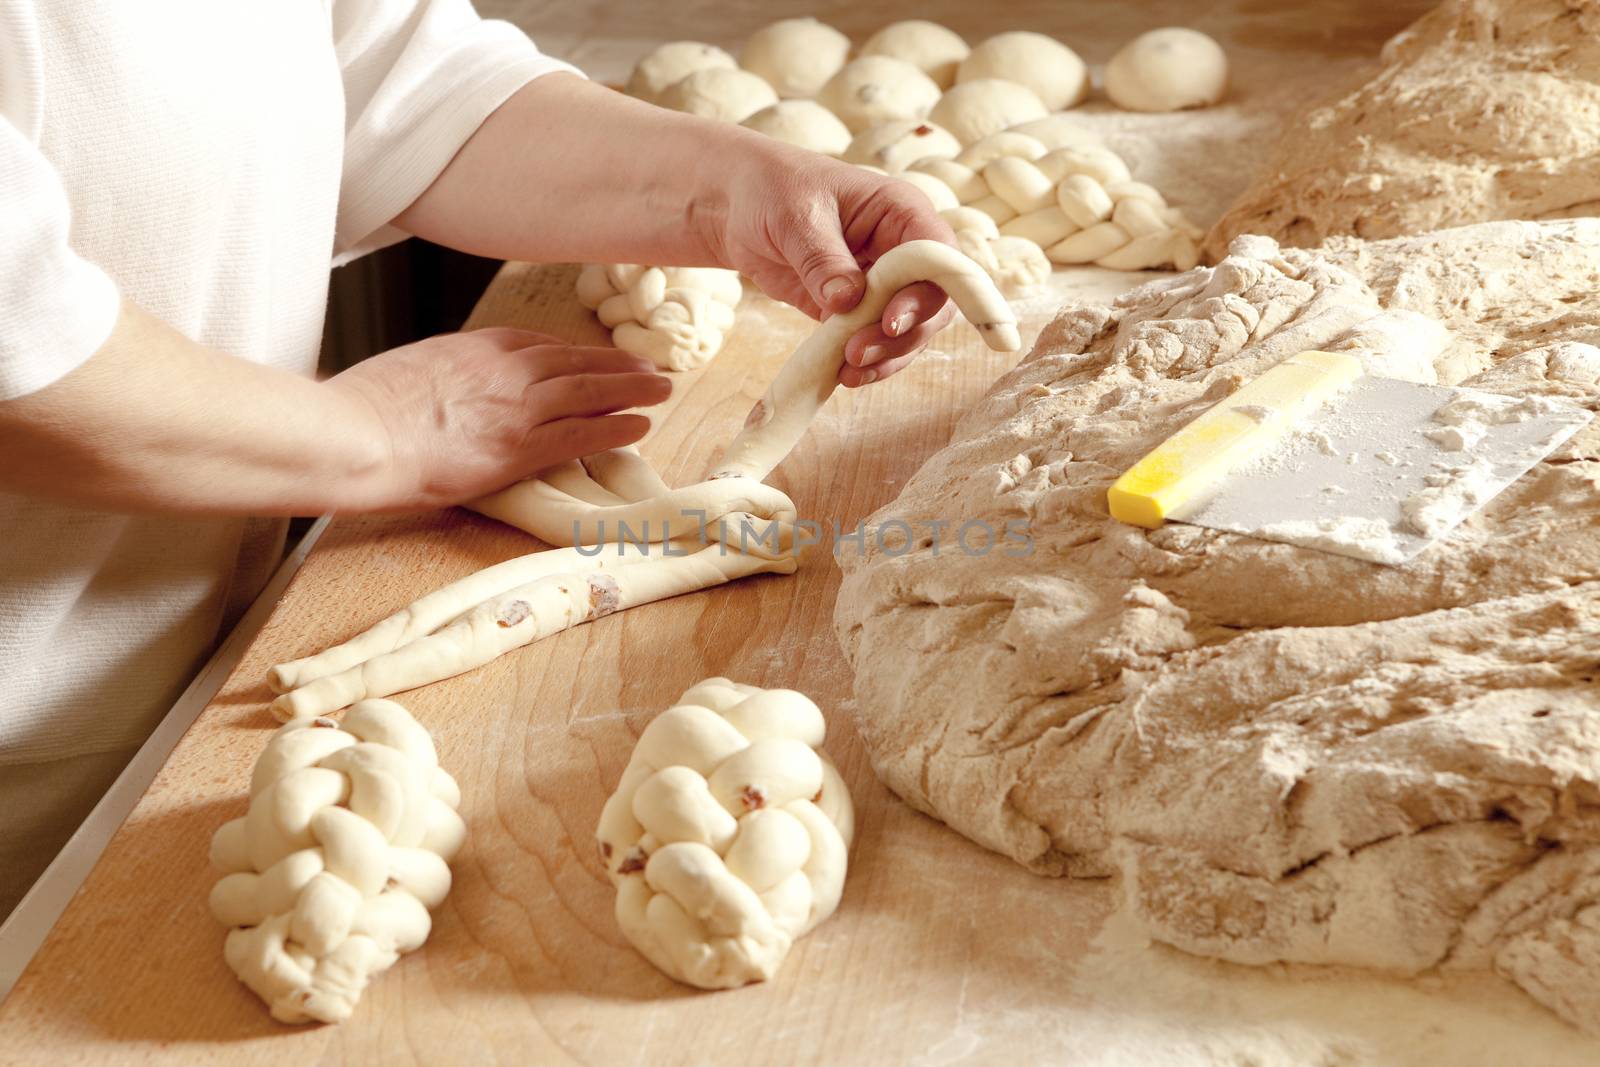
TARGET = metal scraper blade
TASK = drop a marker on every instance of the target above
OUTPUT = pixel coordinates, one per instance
(1386, 469)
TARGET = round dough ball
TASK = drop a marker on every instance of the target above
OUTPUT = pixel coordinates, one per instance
(1051, 69)
(795, 56)
(719, 93)
(1167, 70)
(896, 145)
(973, 110)
(802, 122)
(672, 63)
(876, 89)
(928, 46)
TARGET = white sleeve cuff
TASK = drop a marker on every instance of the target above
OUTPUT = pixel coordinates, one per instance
(442, 83)
(56, 309)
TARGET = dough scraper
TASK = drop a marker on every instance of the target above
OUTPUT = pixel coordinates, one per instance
(1316, 453)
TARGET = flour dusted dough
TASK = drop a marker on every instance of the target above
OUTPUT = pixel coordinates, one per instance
(1051, 69)
(719, 93)
(728, 836)
(975, 109)
(928, 46)
(805, 123)
(1282, 754)
(876, 89)
(1169, 69)
(671, 63)
(1483, 109)
(331, 874)
(795, 56)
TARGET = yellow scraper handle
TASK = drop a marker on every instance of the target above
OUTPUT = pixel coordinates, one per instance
(1235, 431)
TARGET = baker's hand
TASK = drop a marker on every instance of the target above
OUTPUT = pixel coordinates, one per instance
(804, 226)
(466, 414)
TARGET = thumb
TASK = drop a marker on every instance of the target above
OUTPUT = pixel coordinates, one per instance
(826, 268)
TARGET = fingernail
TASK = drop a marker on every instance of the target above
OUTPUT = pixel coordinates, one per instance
(868, 377)
(898, 324)
(836, 287)
(871, 354)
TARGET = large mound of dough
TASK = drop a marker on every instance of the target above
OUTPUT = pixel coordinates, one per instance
(1283, 754)
(1483, 109)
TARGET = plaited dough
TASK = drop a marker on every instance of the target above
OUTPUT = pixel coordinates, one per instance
(331, 874)
(1051, 69)
(1488, 109)
(729, 834)
(893, 146)
(671, 63)
(1168, 69)
(805, 123)
(675, 316)
(1282, 754)
(1059, 130)
(928, 46)
(876, 89)
(975, 109)
(795, 56)
(719, 93)
(1077, 205)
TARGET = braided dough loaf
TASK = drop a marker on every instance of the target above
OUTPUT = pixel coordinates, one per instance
(729, 834)
(331, 875)
(677, 317)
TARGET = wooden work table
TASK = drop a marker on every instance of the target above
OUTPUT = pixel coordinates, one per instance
(526, 963)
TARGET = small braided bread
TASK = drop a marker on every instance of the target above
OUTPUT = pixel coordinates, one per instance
(676, 317)
(330, 876)
(729, 834)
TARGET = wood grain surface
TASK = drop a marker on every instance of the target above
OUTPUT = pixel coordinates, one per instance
(525, 963)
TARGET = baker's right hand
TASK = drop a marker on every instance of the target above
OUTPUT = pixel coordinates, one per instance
(465, 414)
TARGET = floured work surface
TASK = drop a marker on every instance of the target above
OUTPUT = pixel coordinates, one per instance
(1281, 754)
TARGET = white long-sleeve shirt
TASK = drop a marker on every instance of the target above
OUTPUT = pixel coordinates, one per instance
(208, 161)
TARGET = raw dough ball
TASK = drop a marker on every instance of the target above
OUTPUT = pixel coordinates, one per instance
(1051, 69)
(876, 89)
(719, 93)
(330, 875)
(894, 146)
(802, 122)
(795, 56)
(928, 46)
(1482, 110)
(1282, 754)
(671, 63)
(975, 109)
(1167, 70)
(728, 836)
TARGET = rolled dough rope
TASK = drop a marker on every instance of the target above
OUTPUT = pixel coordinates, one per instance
(808, 377)
(560, 518)
(523, 615)
(625, 473)
(444, 605)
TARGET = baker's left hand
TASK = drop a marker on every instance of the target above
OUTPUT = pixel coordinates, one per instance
(802, 229)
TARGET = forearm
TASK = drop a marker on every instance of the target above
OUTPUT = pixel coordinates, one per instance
(567, 170)
(157, 423)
